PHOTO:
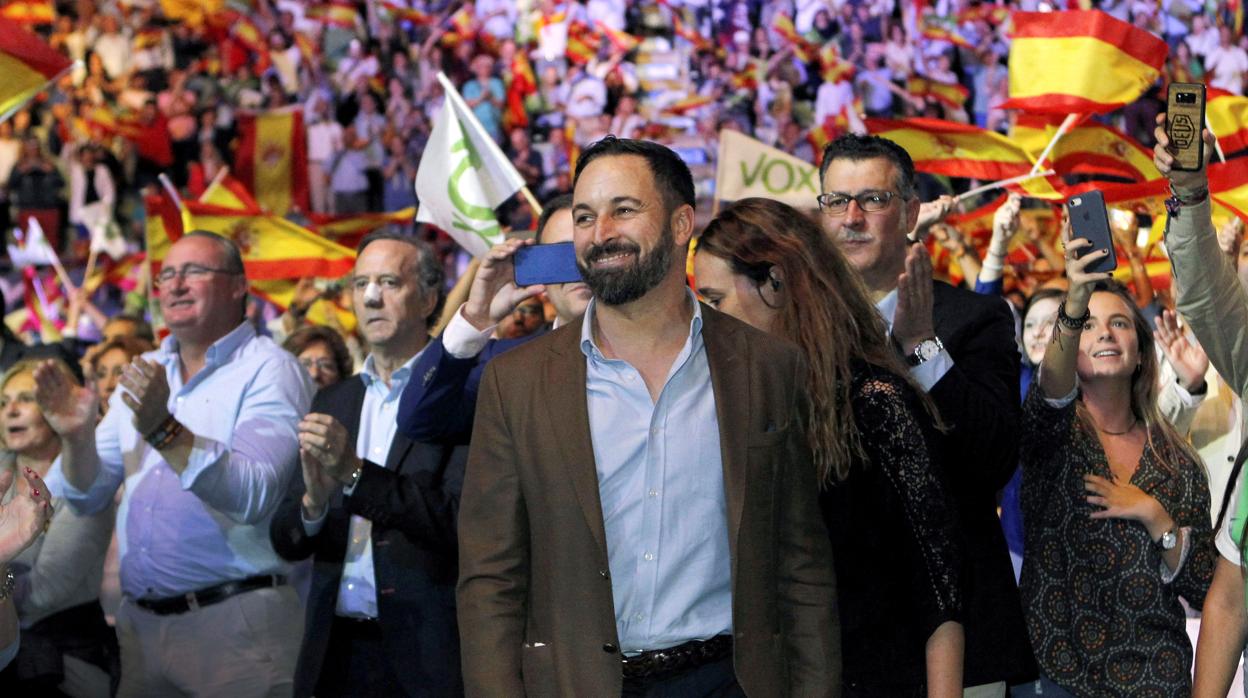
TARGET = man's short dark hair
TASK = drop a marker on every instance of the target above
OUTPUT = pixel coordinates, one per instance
(671, 174)
(857, 148)
(429, 272)
(555, 205)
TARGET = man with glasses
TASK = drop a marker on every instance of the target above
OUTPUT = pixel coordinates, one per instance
(961, 349)
(203, 433)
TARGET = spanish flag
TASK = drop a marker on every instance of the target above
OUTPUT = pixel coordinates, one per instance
(1090, 148)
(1227, 114)
(192, 12)
(28, 66)
(582, 45)
(1228, 185)
(937, 31)
(833, 68)
(407, 14)
(684, 31)
(228, 192)
(952, 95)
(151, 140)
(272, 159)
(523, 83)
(335, 14)
(29, 12)
(993, 14)
(620, 41)
(348, 230)
(956, 150)
(805, 51)
(1079, 61)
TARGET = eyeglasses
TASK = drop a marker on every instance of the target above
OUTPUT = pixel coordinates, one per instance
(189, 272)
(837, 203)
(326, 365)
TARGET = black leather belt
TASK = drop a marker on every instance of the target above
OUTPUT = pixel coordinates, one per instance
(195, 600)
(677, 659)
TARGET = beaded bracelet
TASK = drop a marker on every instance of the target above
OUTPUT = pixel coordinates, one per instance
(163, 435)
(1072, 323)
(1175, 203)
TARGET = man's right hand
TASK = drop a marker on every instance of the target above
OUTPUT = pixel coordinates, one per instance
(1183, 183)
(70, 409)
(494, 293)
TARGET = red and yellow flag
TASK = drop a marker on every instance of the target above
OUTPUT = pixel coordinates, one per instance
(805, 51)
(272, 159)
(1079, 61)
(29, 12)
(620, 40)
(228, 192)
(1227, 114)
(583, 44)
(956, 150)
(1228, 185)
(335, 14)
(833, 68)
(688, 33)
(952, 95)
(407, 14)
(936, 31)
(151, 140)
(993, 14)
(27, 64)
(688, 104)
(348, 230)
(1091, 148)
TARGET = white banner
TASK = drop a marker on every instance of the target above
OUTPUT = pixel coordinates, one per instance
(750, 168)
(463, 176)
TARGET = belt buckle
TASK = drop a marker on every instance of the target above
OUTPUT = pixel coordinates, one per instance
(192, 601)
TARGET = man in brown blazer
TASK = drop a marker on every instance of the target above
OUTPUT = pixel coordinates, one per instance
(639, 513)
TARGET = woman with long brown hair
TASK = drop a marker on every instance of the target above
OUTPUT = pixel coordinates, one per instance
(896, 544)
(1116, 504)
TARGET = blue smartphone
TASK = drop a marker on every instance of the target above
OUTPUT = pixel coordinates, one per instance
(1088, 219)
(554, 263)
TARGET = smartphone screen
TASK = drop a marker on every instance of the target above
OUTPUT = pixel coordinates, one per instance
(1185, 118)
(554, 263)
(1088, 219)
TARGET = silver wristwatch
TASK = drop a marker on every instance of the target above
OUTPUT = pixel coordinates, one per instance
(925, 351)
(1169, 539)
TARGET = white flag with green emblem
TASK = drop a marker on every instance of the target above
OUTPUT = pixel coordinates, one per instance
(463, 176)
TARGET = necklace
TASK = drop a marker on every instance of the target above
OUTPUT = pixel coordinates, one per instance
(1118, 433)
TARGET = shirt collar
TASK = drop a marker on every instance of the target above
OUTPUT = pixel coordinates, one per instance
(368, 373)
(220, 351)
(590, 349)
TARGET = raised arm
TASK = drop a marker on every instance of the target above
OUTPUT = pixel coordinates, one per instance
(1057, 370)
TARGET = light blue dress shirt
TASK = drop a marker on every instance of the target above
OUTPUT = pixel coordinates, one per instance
(357, 590)
(661, 483)
(209, 525)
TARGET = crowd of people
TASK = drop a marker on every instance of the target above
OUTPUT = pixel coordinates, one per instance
(797, 462)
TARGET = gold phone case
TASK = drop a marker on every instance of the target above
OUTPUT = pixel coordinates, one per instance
(1185, 118)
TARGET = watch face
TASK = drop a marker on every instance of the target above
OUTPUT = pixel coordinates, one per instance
(928, 349)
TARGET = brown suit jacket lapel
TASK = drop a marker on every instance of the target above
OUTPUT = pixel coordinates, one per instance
(732, 408)
(563, 377)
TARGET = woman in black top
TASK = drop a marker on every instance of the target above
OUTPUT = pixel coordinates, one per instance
(1116, 504)
(896, 545)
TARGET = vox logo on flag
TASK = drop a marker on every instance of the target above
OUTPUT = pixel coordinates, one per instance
(472, 214)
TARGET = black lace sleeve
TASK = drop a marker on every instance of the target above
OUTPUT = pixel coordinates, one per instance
(888, 416)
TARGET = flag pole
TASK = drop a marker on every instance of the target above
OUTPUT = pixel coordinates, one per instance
(1067, 123)
(1217, 147)
(177, 201)
(1003, 183)
(216, 181)
(61, 274)
(495, 151)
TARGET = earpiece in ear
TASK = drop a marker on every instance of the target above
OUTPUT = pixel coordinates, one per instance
(775, 283)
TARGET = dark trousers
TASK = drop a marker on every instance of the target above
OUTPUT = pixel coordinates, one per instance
(714, 680)
(356, 664)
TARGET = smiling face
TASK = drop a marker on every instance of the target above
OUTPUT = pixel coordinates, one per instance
(25, 431)
(201, 307)
(389, 302)
(1038, 328)
(1109, 347)
(625, 241)
(732, 293)
(875, 243)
